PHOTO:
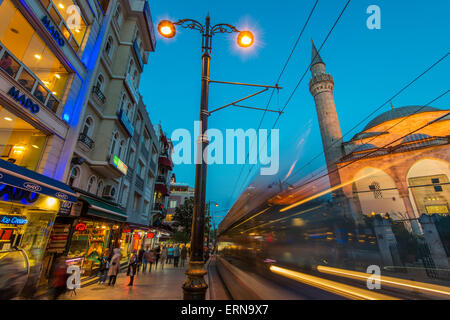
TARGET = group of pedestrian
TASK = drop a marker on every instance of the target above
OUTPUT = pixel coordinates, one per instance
(172, 254)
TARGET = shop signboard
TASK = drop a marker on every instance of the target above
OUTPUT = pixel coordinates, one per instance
(26, 102)
(14, 220)
(119, 164)
(123, 118)
(13, 176)
(53, 31)
(58, 238)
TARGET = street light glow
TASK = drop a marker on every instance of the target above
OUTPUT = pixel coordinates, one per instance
(166, 29)
(245, 39)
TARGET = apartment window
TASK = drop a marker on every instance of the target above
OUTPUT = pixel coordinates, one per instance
(118, 15)
(136, 202)
(100, 82)
(173, 204)
(124, 195)
(115, 139)
(100, 188)
(63, 13)
(88, 126)
(109, 48)
(138, 123)
(74, 176)
(91, 183)
(131, 157)
(121, 149)
(146, 207)
(25, 46)
(138, 168)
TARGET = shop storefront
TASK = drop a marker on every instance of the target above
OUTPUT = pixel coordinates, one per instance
(29, 204)
(95, 233)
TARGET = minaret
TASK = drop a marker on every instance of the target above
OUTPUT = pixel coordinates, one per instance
(321, 87)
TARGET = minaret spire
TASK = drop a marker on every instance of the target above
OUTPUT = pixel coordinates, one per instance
(315, 56)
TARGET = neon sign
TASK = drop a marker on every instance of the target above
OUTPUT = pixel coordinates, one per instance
(16, 220)
(53, 31)
(10, 193)
(119, 165)
(80, 226)
(27, 103)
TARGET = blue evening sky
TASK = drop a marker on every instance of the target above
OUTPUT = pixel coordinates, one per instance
(368, 67)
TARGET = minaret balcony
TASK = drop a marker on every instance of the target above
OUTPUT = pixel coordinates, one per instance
(320, 83)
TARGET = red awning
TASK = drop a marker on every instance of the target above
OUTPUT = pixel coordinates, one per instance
(165, 162)
(162, 188)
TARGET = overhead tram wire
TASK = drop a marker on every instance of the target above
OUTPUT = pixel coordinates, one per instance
(278, 80)
(384, 146)
(303, 76)
(372, 113)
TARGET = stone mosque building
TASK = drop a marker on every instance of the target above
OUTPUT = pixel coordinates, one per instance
(399, 162)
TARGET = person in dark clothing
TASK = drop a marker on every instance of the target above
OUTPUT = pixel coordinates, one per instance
(140, 258)
(157, 256)
(59, 278)
(104, 266)
(183, 256)
(132, 267)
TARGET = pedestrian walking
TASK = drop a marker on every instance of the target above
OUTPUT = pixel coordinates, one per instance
(59, 278)
(183, 256)
(169, 254)
(140, 257)
(114, 267)
(151, 259)
(132, 267)
(176, 255)
(104, 266)
(157, 256)
(164, 254)
(145, 260)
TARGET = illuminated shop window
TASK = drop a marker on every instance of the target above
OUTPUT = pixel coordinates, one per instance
(20, 142)
(27, 58)
(67, 16)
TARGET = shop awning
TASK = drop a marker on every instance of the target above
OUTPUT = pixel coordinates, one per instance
(165, 162)
(162, 188)
(32, 181)
(104, 210)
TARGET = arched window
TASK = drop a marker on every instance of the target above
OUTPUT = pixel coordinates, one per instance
(129, 111)
(135, 78)
(100, 188)
(91, 183)
(115, 139)
(109, 48)
(121, 149)
(88, 126)
(74, 176)
(131, 66)
(118, 15)
(100, 82)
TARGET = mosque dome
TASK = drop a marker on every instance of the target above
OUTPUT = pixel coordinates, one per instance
(397, 113)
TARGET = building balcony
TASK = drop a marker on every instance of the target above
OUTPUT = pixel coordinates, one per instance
(98, 94)
(139, 183)
(129, 84)
(113, 168)
(165, 162)
(86, 143)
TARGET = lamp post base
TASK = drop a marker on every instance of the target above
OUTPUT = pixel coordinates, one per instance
(194, 288)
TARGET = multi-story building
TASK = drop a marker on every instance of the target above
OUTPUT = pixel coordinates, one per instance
(108, 123)
(46, 63)
(178, 194)
(163, 179)
(137, 187)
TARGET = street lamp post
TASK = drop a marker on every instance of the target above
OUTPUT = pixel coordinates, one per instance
(194, 288)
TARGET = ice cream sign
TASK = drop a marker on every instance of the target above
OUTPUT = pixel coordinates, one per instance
(16, 220)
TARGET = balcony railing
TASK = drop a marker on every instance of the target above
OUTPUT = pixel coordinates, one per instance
(161, 179)
(99, 94)
(86, 140)
(139, 183)
(152, 164)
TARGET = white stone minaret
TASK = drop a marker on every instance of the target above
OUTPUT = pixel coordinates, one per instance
(321, 87)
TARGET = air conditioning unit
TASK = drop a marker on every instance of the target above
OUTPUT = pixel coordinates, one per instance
(109, 192)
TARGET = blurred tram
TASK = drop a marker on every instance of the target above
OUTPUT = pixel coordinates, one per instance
(318, 245)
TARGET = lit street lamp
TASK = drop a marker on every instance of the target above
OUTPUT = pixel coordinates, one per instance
(195, 286)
